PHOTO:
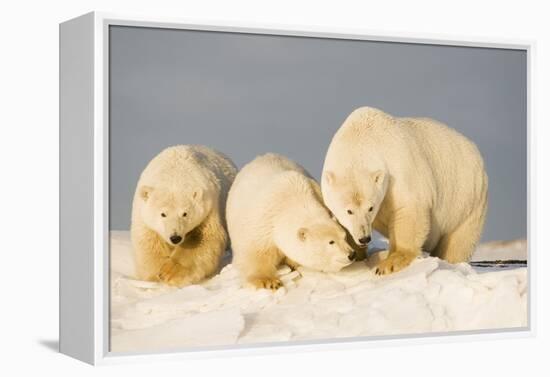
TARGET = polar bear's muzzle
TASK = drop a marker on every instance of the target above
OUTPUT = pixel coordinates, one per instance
(176, 239)
(363, 241)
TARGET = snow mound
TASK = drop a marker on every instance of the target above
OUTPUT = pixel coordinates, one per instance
(429, 296)
(501, 250)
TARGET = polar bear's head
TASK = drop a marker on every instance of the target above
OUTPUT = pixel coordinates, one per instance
(173, 214)
(320, 245)
(355, 200)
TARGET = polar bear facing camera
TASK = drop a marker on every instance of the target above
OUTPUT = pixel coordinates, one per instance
(415, 180)
(178, 226)
(275, 215)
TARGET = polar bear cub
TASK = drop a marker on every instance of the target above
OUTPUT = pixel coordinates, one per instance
(415, 180)
(275, 215)
(178, 226)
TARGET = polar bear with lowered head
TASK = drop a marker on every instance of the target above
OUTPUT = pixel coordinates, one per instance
(275, 215)
(178, 216)
(415, 180)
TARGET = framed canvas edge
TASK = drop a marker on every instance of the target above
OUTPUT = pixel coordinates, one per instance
(102, 22)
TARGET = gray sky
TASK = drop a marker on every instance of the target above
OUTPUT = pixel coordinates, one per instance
(246, 94)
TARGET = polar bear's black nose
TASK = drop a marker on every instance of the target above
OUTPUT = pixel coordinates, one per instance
(175, 239)
(352, 255)
(364, 240)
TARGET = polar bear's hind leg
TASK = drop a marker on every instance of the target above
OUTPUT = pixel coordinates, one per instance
(458, 246)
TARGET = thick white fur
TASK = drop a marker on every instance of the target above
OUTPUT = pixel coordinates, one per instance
(275, 215)
(189, 185)
(425, 182)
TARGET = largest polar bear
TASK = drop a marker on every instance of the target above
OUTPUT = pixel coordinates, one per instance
(418, 182)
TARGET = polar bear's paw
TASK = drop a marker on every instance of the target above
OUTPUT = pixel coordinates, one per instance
(395, 261)
(272, 283)
(172, 273)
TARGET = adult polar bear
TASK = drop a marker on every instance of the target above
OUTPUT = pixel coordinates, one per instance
(418, 182)
(178, 216)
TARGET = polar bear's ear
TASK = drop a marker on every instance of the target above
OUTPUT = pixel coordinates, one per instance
(329, 177)
(197, 194)
(378, 177)
(145, 192)
(302, 234)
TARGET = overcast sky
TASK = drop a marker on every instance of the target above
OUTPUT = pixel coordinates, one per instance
(247, 94)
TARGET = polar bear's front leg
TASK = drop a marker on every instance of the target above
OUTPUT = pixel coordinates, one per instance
(260, 269)
(267, 282)
(408, 229)
(290, 263)
(198, 257)
(151, 253)
(174, 274)
(264, 276)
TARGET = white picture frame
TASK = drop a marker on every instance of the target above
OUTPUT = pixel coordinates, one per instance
(84, 186)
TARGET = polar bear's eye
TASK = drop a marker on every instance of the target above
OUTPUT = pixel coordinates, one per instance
(370, 209)
(350, 212)
(163, 214)
(331, 242)
(184, 214)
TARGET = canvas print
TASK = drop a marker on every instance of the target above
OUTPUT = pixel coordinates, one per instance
(274, 189)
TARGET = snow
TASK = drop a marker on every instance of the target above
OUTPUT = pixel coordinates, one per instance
(429, 296)
(501, 250)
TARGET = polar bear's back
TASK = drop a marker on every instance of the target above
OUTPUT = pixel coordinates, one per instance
(268, 166)
(371, 131)
(441, 141)
(185, 165)
(262, 174)
(460, 182)
(260, 189)
(409, 148)
(451, 155)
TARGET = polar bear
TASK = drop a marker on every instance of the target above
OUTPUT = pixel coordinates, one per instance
(415, 180)
(178, 226)
(275, 215)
